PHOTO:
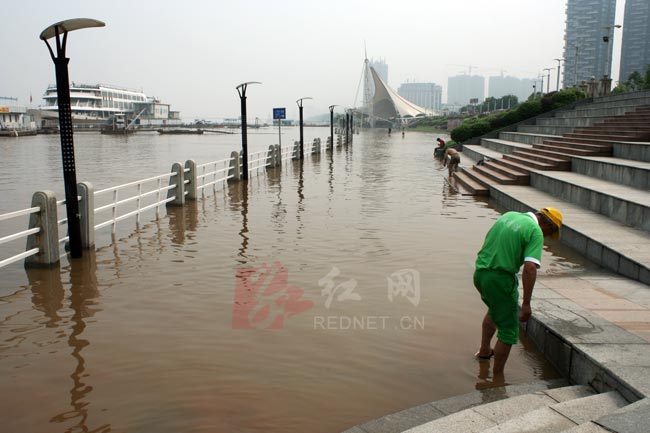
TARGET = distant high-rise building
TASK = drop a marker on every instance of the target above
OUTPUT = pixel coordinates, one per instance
(635, 51)
(585, 52)
(500, 86)
(463, 88)
(426, 95)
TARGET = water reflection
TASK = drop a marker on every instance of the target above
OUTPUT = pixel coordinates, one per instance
(183, 219)
(300, 208)
(48, 297)
(238, 195)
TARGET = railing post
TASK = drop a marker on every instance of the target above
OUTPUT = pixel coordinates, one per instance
(177, 179)
(87, 214)
(270, 157)
(234, 169)
(193, 186)
(296, 150)
(47, 239)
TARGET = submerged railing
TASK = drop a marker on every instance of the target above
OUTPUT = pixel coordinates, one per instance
(130, 200)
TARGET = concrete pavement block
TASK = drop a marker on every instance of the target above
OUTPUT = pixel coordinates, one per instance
(618, 354)
(569, 393)
(558, 352)
(404, 420)
(466, 421)
(629, 419)
(590, 408)
(503, 410)
(543, 420)
(578, 325)
(588, 427)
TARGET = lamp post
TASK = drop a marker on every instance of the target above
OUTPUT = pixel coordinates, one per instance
(241, 89)
(302, 143)
(541, 87)
(332, 126)
(65, 121)
(606, 38)
(548, 79)
(575, 69)
(559, 61)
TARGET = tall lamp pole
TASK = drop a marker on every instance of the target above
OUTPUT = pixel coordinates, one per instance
(241, 89)
(302, 141)
(332, 126)
(559, 61)
(610, 35)
(548, 79)
(65, 121)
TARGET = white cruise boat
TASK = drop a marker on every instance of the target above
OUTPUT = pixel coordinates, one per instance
(15, 121)
(99, 104)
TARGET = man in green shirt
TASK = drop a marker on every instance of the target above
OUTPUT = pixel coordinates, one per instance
(514, 240)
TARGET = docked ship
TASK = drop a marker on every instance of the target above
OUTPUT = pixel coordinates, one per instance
(96, 106)
(14, 120)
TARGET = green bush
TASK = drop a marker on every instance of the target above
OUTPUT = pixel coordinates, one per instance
(475, 126)
(461, 133)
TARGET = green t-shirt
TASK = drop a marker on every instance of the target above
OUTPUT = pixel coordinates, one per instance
(513, 239)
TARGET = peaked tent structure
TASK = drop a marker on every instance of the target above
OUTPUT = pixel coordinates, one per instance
(387, 104)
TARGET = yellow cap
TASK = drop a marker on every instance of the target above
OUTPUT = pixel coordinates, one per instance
(555, 216)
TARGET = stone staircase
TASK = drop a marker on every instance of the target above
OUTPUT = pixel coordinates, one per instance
(540, 406)
(514, 155)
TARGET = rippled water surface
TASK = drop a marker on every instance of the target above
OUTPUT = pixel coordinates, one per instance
(365, 301)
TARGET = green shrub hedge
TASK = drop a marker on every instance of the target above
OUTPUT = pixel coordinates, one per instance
(475, 126)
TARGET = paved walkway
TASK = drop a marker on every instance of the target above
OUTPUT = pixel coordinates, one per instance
(619, 300)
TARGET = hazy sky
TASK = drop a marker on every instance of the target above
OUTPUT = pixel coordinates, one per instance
(193, 53)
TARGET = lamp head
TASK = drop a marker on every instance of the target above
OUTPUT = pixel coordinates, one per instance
(68, 26)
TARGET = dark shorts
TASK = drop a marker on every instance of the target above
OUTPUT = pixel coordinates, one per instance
(499, 291)
(455, 159)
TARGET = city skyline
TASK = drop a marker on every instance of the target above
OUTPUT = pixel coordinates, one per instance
(192, 56)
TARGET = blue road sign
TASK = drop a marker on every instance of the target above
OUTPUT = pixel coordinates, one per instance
(279, 113)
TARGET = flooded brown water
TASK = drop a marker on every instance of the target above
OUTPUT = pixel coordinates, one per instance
(362, 267)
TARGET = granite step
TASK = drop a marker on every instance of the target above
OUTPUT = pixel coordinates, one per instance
(538, 161)
(519, 177)
(614, 136)
(497, 176)
(603, 240)
(580, 144)
(618, 170)
(568, 148)
(469, 183)
(560, 408)
(629, 206)
(478, 178)
(418, 415)
(562, 416)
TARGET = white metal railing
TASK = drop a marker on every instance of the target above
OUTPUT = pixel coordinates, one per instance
(260, 158)
(219, 168)
(113, 205)
(19, 235)
(287, 153)
(208, 174)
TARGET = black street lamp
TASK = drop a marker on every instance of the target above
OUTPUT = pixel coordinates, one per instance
(332, 126)
(548, 80)
(302, 142)
(559, 61)
(241, 89)
(65, 121)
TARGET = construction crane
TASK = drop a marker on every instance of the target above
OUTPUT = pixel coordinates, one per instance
(469, 67)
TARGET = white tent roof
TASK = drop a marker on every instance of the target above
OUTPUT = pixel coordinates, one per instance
(388, 104)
